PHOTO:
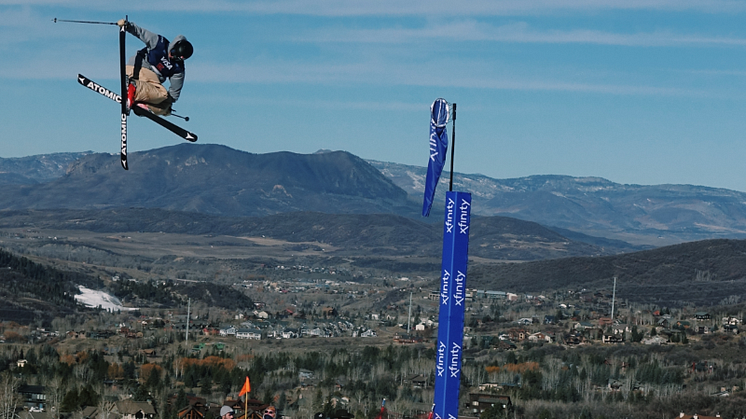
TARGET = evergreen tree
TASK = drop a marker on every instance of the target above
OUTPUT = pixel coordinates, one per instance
(206, 385)
(181, 400)
(154, 379)
(87, 397)
(70, 401)
(141, 394)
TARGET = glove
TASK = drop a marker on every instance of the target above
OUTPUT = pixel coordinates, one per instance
(123, 23)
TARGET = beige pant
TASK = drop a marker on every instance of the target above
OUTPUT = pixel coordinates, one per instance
(150, 91)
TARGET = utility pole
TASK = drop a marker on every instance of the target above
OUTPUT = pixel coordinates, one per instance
(613, 298)
(409, 318)
(189, 306)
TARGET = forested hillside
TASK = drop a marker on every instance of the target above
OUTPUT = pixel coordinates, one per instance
(29, 290)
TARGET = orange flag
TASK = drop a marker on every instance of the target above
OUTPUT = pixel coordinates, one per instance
(246, 387)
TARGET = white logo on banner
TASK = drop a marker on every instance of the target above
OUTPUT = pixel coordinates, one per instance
(458, 292)
(440, 367)
(449, 215)
(463, 222)
(444, 288)
(455, 354)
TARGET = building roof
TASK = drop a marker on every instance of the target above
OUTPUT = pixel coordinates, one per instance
(130, 407)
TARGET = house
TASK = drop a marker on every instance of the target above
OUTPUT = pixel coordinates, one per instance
(582, 326)
(517, 334)
(228, 330)
(254, 334)
(92, 412)
(730, 320)
(254, 411)
(539, 337)
(130, 409)
(370, 333)
(150, 353)
(289, 333)
(497, 295)
(304, 374)
(200, 403)
(316, 331)
(478, 402)
(417, 381)
(491, 387)
(210, 331)
(573, 339)
(702, 315)
(33, 396)
(611, 339)
(191, 412)
(261, 314)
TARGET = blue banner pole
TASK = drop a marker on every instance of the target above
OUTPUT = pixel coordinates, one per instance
(452, 304)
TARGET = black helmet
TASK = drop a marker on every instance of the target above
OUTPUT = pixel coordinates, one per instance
(182, 49)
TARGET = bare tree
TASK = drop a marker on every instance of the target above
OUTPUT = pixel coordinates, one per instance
(105, 409)
(55, 392)
(9, 397)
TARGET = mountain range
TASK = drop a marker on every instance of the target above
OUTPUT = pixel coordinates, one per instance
(217, 180)
(654, 215)
(213, 179)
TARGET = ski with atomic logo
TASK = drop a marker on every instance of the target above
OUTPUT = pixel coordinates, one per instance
(123, 78)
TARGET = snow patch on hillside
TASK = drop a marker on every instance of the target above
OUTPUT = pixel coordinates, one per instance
(94, 298)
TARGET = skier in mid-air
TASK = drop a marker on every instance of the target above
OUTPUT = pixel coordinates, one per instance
(158, 61)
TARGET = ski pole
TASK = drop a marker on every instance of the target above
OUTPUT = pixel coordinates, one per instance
(55, 20)
(186, 118)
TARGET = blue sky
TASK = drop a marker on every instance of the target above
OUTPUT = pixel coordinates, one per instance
(644, 92)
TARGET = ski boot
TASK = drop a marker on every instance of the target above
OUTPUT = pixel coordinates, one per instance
(131, 89)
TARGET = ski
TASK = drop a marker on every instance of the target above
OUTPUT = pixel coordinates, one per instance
(85, 81)
(125, 111)
(181, 132)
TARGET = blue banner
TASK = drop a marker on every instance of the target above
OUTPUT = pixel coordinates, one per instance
(452, 305)
(439, 113)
